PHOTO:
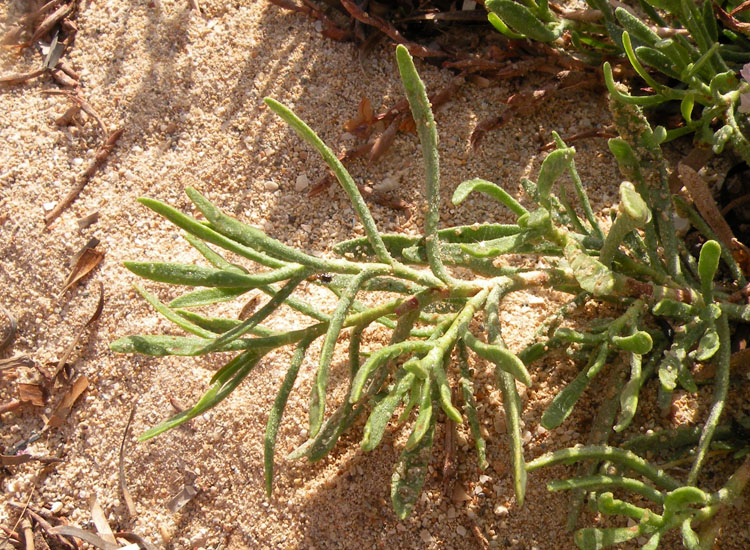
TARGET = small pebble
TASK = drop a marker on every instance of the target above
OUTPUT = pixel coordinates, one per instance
(501, 511)
(55, 507)
(461, 530)
(425, 535)
(271, 186)
(302, 182)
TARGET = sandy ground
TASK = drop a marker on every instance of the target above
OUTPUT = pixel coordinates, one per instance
(188, 92)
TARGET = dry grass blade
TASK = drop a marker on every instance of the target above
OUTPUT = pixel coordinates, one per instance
(10, 406)
(101, 156)
(100, 521)
(10, 332)
(87, 259)
(132, 537)
(91, 538)
(132, 511)
(66, 403)
(28, 534)
(20, 78)
(16, 362)
(24, 507)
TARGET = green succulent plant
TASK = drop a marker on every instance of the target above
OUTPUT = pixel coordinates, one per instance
(639, 266)
(688, 55)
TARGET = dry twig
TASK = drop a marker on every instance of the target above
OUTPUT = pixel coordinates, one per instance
(101, 156)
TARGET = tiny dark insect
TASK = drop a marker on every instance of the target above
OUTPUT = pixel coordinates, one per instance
(321, 277)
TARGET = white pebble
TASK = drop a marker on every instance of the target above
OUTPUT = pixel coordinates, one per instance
(302, 182)
(271, 186)
(48, 206)
(77, 161)
(55, 507)
(501, 511)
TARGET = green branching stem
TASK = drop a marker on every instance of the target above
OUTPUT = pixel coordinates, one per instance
(511, 399)
(626, 459)
(721, 389)
(342, 175)
(318, 397)
(425, 122)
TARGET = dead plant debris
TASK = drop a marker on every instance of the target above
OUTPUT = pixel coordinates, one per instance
(84, 262)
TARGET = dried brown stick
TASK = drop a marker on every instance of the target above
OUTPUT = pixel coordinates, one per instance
(69, 350)
(28, 534)
(132, 511)
(606, 132)
(101, 156)
(50, 21)
(10, 406)
(415, 49)
(20, 78)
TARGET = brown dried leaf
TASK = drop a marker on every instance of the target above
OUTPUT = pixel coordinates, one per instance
(32, 393)
(704, 201)
(86, 221)
(66, 404)
(85, 263)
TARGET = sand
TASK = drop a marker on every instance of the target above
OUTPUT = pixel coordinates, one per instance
(187, 90)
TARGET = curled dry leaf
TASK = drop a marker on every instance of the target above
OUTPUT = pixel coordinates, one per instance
(66, 403)
(32, 393)
(84, 263)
